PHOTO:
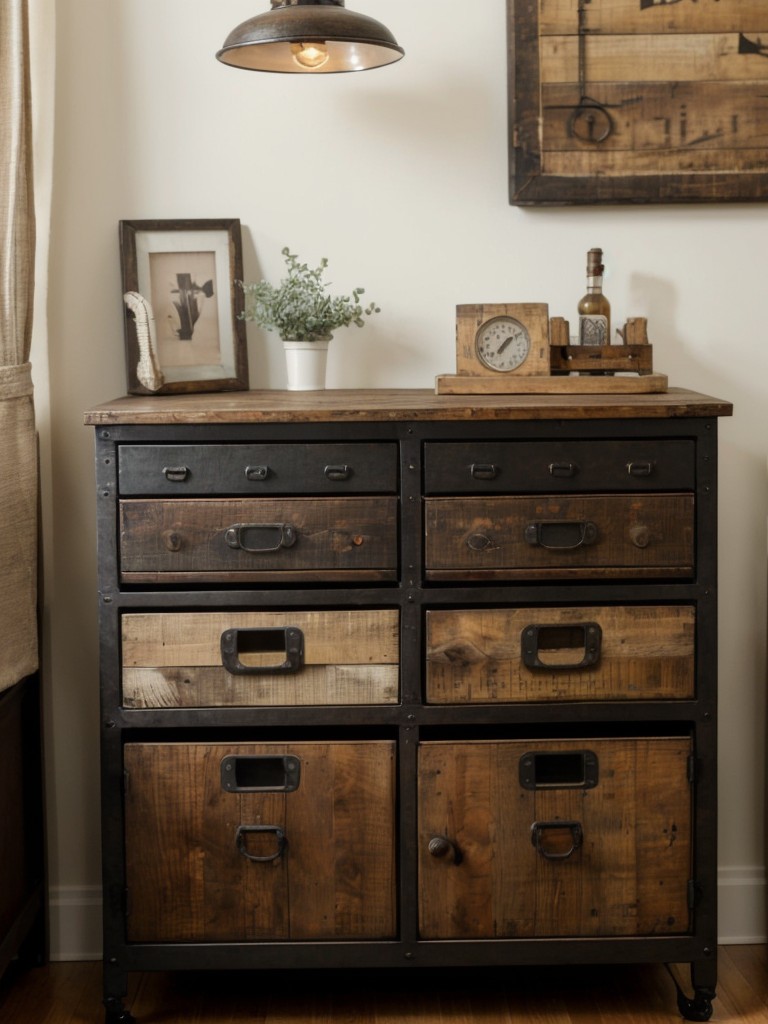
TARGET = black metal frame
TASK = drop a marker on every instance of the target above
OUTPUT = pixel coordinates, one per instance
(411, 718)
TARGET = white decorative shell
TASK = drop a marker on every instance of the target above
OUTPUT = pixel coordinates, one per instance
(148, 369)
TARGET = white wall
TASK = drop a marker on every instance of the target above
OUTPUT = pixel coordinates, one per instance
(399, 177)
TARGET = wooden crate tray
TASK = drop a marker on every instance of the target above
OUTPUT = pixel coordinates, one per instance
(637, 384)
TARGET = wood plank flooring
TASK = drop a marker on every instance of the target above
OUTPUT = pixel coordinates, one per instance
(70, 993)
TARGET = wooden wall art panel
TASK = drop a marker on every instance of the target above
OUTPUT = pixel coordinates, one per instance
(638, 101)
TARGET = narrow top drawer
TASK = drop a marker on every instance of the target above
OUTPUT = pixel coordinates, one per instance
(545, 466)
(197, 469)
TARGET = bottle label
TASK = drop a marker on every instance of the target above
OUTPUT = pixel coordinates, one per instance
(593, 330)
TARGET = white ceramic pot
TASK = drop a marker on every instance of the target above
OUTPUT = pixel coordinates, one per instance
(305, 362)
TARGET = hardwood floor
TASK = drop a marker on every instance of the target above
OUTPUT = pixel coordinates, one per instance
(70, 993)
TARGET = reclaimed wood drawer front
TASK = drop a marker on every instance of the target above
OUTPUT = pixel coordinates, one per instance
(269, 539)
(496, 655)
(257, 469)
(260, 841)
(249, 659)
(542, 466)
(534, 838)
(556, 536)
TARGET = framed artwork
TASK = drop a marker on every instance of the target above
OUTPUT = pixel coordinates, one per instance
(182, 326)
(638, 101)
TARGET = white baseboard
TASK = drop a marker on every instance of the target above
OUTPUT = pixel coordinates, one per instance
(75, 914)
(742, 905)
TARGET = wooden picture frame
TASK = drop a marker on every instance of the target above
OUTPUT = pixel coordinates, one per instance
(181, 275)
(637, 101)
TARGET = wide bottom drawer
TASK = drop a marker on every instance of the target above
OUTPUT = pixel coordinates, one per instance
(271, 841)
(249, 659)
(534, 838)
(495, 655)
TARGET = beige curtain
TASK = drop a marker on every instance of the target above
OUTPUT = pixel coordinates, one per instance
(18, 457)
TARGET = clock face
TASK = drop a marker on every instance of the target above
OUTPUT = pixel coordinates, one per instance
(502, 343)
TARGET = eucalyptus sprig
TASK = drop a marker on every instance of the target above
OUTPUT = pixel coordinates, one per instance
(299, 308)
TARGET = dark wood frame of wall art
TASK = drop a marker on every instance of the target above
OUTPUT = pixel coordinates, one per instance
(542, 176)
(232, 375)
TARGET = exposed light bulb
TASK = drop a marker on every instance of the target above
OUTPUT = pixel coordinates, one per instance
(310, 55)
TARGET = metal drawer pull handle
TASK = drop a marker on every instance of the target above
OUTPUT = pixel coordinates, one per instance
(561, 535)
(586, 636)
(338, 474)
(558, 769)
(483, 471)
(441, 846)
(259, 538)
(563, 468)
(246, 774)
(241, 841)
(236, 642)
(538, 828)
(640, 468)
(256, 473)
(176, 474)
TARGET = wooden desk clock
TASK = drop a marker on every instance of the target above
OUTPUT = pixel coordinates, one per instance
(515, 348)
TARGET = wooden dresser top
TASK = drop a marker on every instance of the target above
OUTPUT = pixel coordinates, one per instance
(396, 404)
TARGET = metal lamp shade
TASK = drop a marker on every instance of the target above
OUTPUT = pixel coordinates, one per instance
(309, 36)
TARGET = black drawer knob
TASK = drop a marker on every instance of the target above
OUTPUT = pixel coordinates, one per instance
(441, 846)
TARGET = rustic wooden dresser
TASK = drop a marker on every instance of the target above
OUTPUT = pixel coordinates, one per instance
(398, 680)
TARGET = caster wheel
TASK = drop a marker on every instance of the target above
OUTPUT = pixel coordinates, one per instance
(698, 1008)
(118, 1015)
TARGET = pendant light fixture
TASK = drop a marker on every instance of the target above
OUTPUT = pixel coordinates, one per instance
(309, 36)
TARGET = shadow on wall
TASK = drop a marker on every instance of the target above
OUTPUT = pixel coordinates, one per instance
(657, 299)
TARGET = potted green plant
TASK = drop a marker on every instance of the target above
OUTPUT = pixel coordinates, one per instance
(304, 316)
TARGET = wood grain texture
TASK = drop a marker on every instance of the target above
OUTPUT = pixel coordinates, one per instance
(558, 17)
(629, 877)
(616, 58)
(646, 532)
(593, 120)
(469, 319)
(169, 537)
(397, 405)
(475, 656)
(187, 880)
(175, 659)
(70, 993)
(450, 384)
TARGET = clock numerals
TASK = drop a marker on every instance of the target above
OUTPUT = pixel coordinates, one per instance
(502, 344)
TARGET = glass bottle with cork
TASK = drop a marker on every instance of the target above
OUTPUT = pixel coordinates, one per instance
(594, 309)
